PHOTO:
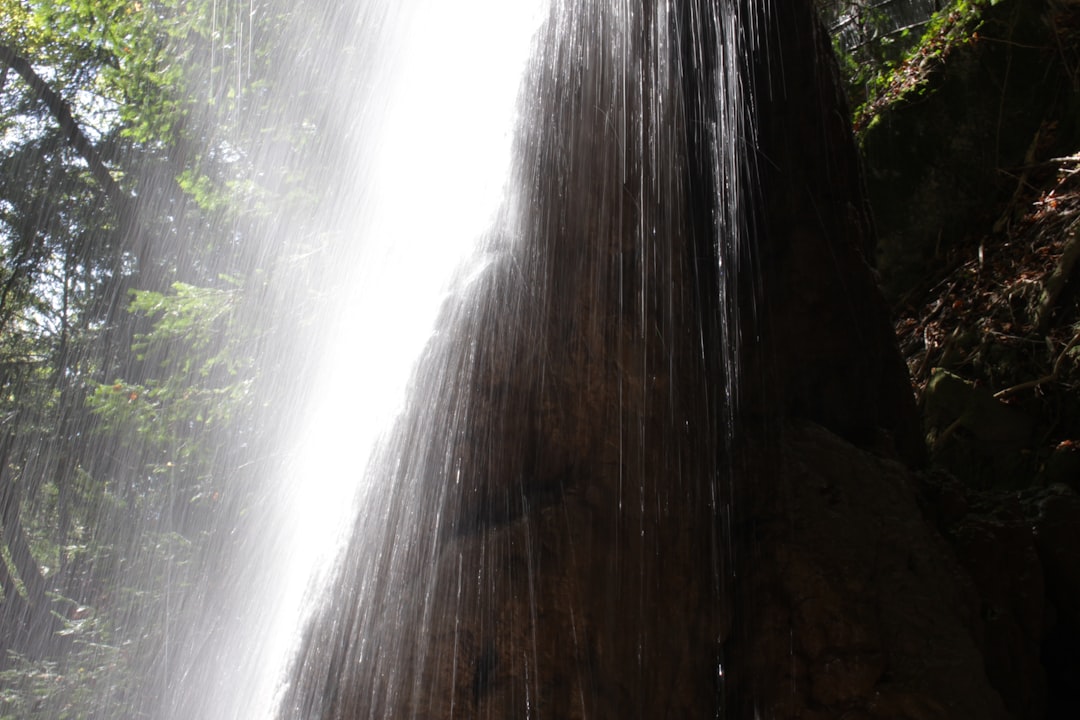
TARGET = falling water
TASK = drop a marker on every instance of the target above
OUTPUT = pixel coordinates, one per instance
(543, 531)
(400, 136)
(496, 482)
(419, 137)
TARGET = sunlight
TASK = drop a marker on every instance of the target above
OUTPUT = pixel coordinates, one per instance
(440, 167)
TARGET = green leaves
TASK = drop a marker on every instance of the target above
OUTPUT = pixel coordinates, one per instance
(199, 373)
(188, 314)
(128, 435)
(884, 68)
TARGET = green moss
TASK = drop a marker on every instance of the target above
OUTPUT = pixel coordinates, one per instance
(895, 68)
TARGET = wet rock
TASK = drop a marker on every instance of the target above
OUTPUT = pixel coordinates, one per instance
(819, 344)
(982, 439)
(876, 616)
(999, 553)
(1056, 530)
(935, 160)
(1063, 465)
(1057, 539)
(1021, 551)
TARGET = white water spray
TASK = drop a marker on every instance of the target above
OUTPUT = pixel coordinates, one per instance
(441, 159)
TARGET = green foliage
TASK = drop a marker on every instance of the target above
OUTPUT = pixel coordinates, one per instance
(864, 42)
(132, 436)
(199, 379)
(47, 689)
(121, 433)
(883, 68)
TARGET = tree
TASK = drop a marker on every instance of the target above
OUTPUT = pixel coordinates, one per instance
(127, 399)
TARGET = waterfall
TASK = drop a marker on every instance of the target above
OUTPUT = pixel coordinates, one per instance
(543, 533)
(404, 135)
(467, 293)
(421, 151)
(404, 358)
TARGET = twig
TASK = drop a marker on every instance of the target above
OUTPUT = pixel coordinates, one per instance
(1054, 373)
(947, 433)
(1059, 278)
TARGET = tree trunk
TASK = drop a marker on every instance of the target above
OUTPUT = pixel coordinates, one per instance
(31, 616)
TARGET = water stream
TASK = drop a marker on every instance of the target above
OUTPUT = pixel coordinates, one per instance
(543, 533)
(488, 471)
(420, 157)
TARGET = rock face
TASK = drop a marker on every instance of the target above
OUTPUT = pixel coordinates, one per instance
(566, 526)
(848, 602)
(973, 188)
(548, 539)
(1056, 530)
(1019, 551)
(959, 147)
(825, 349)
(854, 605)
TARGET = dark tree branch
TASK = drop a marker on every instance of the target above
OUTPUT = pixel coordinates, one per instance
(61, 113)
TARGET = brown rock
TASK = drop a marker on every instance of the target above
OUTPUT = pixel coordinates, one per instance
(875, 613)
(999, 554)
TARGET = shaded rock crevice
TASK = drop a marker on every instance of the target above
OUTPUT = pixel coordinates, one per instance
(864, 598)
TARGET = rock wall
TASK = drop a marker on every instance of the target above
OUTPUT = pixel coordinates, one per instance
(853, 605)
(972, 184)
(567, 528)
(848, 601)
(943, 158)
